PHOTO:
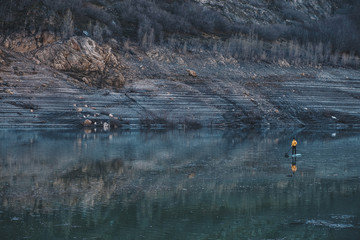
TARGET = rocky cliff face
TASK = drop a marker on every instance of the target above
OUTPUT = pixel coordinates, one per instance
(24, 42)
(29, 25)
(85, 60)
(81, 57)
(272, 11)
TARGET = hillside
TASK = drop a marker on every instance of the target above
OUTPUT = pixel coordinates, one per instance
(182, 64)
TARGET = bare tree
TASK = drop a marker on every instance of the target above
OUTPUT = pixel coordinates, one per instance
(68, 25)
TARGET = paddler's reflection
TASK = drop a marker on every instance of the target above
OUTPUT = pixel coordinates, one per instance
(293, 165)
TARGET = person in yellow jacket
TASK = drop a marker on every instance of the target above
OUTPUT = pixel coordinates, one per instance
(293, 146)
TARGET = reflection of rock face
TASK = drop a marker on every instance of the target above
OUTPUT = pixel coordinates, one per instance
(82, 57)
(97, 170)
(99, 180)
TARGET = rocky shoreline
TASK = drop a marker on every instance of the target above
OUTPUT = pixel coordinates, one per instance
(170, 91)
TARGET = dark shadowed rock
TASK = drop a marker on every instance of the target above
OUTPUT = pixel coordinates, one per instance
(265, 11)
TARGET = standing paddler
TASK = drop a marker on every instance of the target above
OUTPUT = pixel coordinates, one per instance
(293, 146)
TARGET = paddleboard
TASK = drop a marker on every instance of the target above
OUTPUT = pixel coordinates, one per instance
(296, 155)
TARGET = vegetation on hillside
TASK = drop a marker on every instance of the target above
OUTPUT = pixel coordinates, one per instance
(189, 26)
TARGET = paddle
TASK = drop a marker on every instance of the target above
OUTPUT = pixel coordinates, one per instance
(287, 153)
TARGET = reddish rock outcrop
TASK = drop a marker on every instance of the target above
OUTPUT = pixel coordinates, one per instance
(82, 56)
(24, 42)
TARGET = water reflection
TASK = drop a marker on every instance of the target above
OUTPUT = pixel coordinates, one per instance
(293, 165)
(174, 184)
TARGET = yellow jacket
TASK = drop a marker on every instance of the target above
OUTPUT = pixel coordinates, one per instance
(294, 143)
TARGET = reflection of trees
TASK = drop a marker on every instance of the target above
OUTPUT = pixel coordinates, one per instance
(169, 170)
(90, 183)
(96, 170)
(215, 207)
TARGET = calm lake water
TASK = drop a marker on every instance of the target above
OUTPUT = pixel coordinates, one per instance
(206, 184)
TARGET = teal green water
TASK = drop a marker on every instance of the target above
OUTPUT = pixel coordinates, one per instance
(75, 184)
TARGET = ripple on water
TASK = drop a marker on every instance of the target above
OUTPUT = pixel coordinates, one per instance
(15, 219)
(338, 222)
(342, 217)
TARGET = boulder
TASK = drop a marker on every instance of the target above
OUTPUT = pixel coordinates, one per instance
(191, 73)
(87, 123)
